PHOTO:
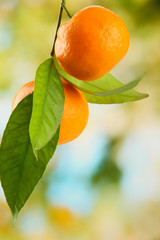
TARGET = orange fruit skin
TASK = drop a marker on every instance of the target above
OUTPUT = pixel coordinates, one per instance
(91, 43)
(25, 90)
(75, 114)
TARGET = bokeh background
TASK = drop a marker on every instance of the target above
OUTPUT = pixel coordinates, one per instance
(106, 184)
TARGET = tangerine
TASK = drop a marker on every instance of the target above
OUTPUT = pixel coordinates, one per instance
(25, 90)
(91, 43)
(75, 114)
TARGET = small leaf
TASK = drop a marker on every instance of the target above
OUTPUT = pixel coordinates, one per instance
(106, 89)
(48, 103)
(19, 170)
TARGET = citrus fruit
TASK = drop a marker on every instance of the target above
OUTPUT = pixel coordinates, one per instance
(75, 114)
(25, 90)
(91, 43)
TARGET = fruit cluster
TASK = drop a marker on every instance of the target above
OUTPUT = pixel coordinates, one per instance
(53, 109)
(87, 47)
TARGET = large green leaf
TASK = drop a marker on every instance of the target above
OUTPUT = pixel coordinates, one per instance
(48, 103)
(19, 170)
(106, 89)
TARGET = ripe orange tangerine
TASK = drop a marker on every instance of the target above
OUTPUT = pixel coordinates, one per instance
(75, 114)
(25, 90)
(91, 43)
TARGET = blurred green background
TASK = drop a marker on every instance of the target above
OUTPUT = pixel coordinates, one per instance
(106, 184)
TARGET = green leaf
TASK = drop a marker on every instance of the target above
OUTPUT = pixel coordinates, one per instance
(105, 90)
(48, 103)
(19, 170)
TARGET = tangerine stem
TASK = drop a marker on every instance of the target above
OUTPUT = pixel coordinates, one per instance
(58, 24)
(66, 10)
